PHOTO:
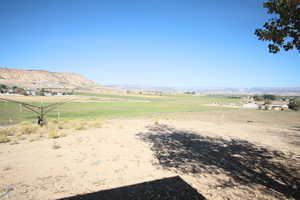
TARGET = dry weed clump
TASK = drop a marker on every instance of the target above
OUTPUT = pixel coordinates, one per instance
(59, 124)
(10, 131)
(32, 138)
(25, 128)
(62, 134)
(95, 124)
(53, 134)
(120, 126)
(77, 124)
(4, 136)
(80, 124)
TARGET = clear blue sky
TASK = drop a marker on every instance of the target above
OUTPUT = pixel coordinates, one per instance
(147, 42)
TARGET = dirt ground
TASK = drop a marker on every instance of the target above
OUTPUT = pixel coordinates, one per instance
(229, 157)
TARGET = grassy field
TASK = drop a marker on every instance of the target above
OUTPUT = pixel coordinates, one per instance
(12, 113)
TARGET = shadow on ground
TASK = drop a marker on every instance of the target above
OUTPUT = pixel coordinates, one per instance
(294, 136)
(295, 128)
(163, 189)
(246, 163)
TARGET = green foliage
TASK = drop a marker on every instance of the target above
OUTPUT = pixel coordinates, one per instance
(283, 31)
(2, 86)
(294, 104)
(264, 97)
(269, 97)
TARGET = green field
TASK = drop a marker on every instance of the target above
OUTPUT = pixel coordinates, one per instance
(13, 113)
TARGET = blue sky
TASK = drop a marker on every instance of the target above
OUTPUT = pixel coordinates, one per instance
(180, 43)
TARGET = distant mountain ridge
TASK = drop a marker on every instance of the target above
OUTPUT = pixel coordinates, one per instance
(44, 79)
(216, 90)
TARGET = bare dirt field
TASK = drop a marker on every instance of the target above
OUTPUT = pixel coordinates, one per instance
(223, 155)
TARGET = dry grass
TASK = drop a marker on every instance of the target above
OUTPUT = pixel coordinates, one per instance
(87, 124)
(4, 138)
(4, 133)
(32, 138)
(120, 126)
(54, 129)
(81, 126)
(28, 129)
(53, 135)
(96, 124)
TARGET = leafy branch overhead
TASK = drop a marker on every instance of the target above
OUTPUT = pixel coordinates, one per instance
(283, 30)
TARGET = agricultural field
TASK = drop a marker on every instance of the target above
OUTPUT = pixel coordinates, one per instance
(91, 106)
(99, 142)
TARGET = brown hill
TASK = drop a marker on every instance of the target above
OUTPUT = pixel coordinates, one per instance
(46, 79)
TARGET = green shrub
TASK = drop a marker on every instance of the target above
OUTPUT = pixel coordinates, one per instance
(294, 104)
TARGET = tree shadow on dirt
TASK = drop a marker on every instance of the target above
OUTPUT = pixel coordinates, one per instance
(294, 137)
(244, 162)
(296, 128)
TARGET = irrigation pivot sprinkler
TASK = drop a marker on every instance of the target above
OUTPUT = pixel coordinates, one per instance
(41, 111)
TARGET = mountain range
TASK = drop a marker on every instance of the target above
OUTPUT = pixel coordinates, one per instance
(31, 79)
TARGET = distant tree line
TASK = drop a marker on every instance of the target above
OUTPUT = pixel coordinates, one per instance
(13, 89)
(39, 92)
(265, 97)
(193, 92)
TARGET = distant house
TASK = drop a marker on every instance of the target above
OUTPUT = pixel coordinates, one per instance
(250, 105)
(276, 107)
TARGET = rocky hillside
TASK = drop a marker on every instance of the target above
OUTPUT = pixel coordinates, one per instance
(46, 79)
